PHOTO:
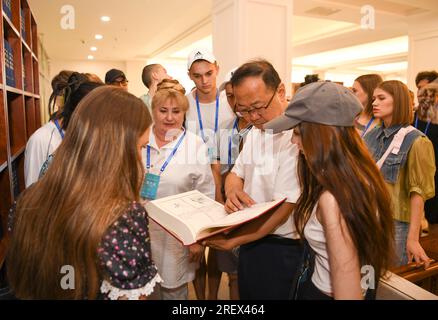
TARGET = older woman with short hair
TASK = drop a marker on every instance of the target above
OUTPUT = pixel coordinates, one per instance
(176, 161)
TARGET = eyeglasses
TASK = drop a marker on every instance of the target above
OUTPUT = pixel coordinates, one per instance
(259, 110)
(123, 82)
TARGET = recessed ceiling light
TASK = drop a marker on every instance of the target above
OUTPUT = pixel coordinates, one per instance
(93, 49)
(98, 37)
(105, 18)
(90, 57)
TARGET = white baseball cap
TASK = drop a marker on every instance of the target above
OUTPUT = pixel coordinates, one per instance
(227, 79)
(200, 54)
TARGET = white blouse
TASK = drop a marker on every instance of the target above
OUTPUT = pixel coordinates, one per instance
(314, 234)
(41, 144)
(188, 170)
(268, 165)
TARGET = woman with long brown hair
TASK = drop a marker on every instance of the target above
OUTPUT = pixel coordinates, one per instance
(344, 209)
(84, 212)
(406, 160)
(363, 88)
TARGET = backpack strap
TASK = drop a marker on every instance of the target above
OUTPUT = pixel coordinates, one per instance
(395, 145)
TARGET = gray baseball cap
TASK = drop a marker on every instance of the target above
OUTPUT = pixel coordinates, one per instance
(321, 102)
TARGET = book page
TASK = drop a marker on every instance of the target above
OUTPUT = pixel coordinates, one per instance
(199, 212)
(193, 208)
(243, 215)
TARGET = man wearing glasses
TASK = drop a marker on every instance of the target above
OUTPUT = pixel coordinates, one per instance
(270, 250)
(116, 78)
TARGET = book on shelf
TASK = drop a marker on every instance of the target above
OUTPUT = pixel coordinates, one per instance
(15, 183)
(192, 216)
(25, 86)
(23, 24)
(7, 8)
(9, 64)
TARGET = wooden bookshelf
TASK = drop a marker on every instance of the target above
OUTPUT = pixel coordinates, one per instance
(5, 193)
(3, 135)
(20, 114)
(27, 69)
(26, 32)
(34, 33)
(17, 122)
(37, 111)
(30, 115)
(36, 78)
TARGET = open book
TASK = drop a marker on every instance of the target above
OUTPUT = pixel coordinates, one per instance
(192, 216)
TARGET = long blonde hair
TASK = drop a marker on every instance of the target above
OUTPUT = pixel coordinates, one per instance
(95, 175)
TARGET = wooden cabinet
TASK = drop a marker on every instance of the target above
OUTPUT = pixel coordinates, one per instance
(20, 112)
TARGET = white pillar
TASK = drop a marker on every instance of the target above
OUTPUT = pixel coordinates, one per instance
(423, 46)
(247, 29)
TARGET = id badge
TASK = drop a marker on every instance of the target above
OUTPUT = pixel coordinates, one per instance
(212, 154)
(150, 186)
(235, 139)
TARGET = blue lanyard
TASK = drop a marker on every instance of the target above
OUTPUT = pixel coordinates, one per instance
(427, 125)
(230, 140)
(367, 127)
(148, 158)
(200, 116)
(59, 129)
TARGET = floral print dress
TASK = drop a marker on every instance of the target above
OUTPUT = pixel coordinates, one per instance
(124, 255)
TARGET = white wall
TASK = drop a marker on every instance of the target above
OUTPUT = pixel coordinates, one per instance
(97, 67)
(133, 72)
(347, 78)
(423, 48)
(177, 68)
(248, 29)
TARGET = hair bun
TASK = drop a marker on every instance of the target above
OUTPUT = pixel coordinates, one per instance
(170, 84)
(75, 80)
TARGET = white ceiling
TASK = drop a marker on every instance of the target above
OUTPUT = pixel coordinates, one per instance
(138, 28)
(142, 29)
